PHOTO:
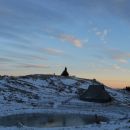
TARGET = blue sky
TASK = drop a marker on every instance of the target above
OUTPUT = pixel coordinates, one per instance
(90, 37)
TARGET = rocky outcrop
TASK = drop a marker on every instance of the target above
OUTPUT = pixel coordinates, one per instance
(65, 73)
(96, 93)
(128, 88)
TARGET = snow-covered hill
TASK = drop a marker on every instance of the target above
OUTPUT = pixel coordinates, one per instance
(56, 94)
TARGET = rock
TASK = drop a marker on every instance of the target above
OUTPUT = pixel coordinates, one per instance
(128, 88)
(65, 73)
(96, 93)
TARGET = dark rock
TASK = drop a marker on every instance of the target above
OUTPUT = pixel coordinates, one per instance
(65, 73)
(96, 93)
(128, 88)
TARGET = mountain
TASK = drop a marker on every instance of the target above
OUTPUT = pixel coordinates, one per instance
(57, 94)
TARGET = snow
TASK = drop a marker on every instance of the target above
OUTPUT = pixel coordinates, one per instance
(57, 94)
(37, 82)
(68, 81)
(102, 126)
(84, 86)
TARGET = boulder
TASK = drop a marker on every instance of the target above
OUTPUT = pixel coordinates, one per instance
(96, 93)
(65, 73)
(128, 88)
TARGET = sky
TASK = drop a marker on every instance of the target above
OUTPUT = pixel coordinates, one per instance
(90, 37)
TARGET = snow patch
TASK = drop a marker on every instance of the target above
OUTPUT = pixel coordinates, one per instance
(68, 81)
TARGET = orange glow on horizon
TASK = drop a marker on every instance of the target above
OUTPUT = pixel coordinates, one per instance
(115, 83)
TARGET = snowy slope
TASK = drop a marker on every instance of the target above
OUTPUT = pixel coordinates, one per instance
(56, 94)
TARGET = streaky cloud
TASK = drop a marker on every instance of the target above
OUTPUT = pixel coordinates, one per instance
(53, 51)
(5, 60)
(64, 37)
(33, 66)
(117, 55)
(71, 39)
